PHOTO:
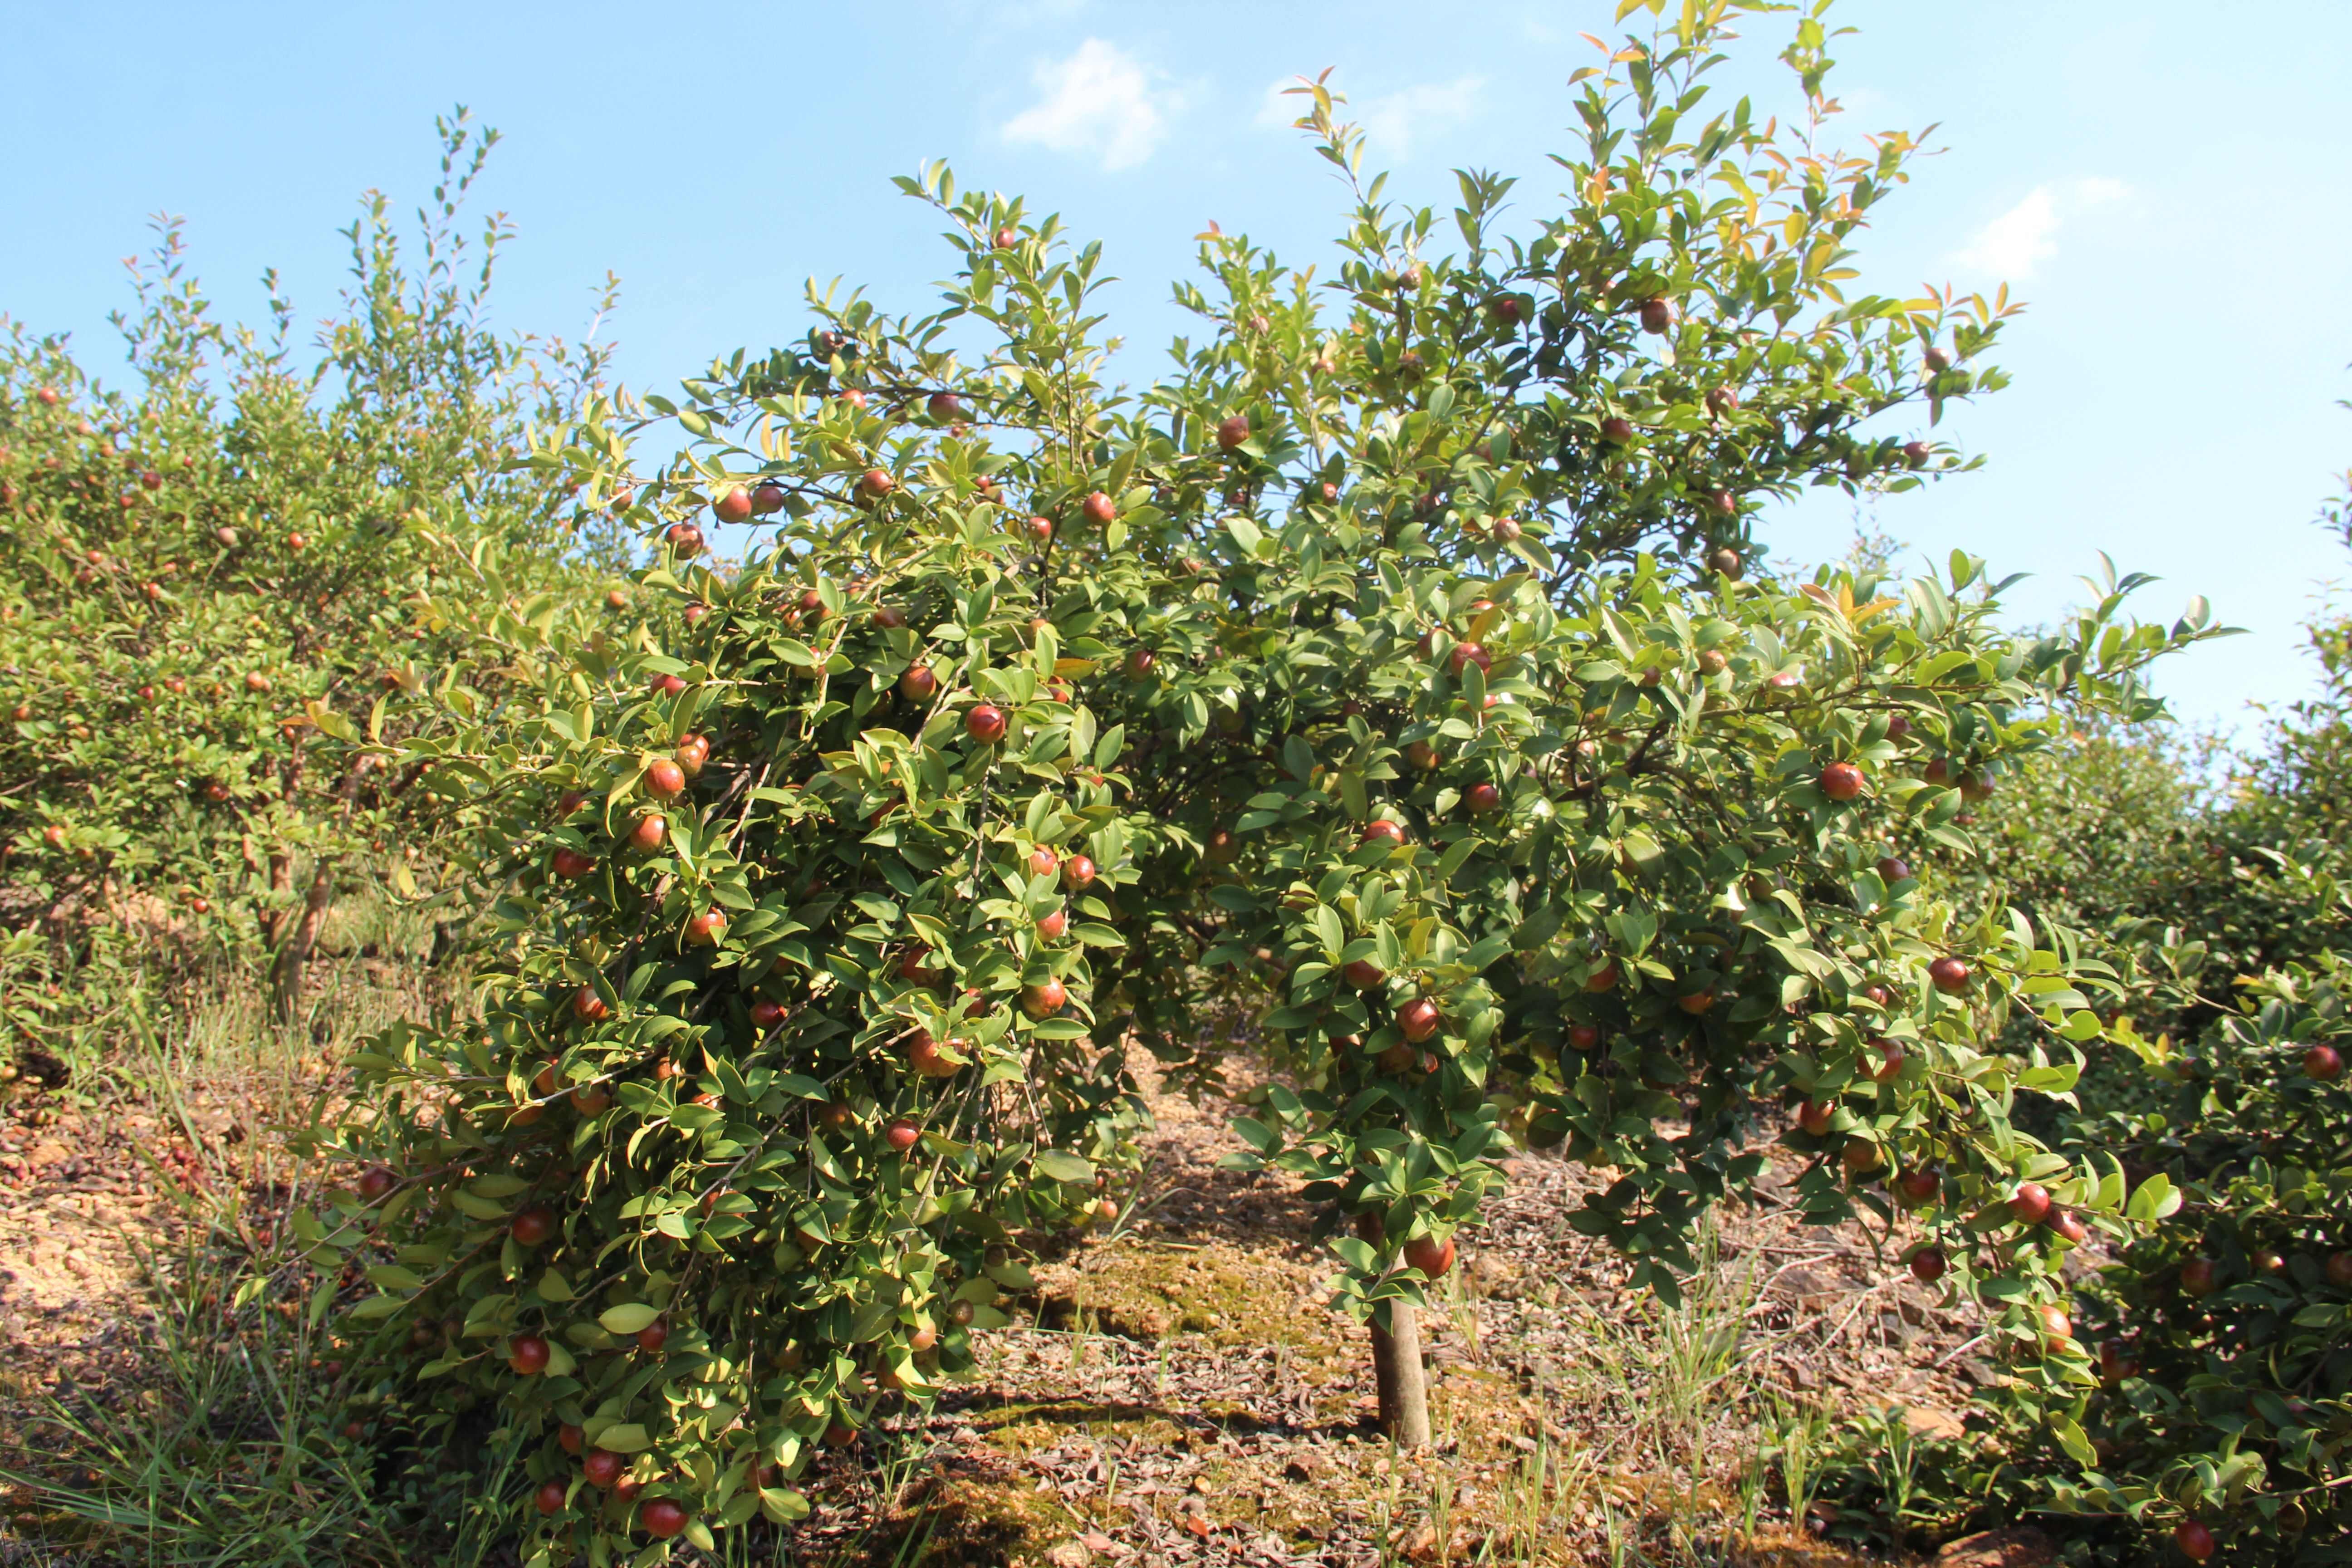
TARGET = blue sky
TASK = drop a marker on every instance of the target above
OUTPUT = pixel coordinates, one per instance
(2166, 183)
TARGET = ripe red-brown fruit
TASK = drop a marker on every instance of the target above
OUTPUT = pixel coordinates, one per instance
(901, 1134)
(923, 1055)
(54, 836)
(1469, 653)
(1893, 870)
(664, 1519)
(572, 863)
(1657, 315)
(943, 404)
(590, 1008)
(919, 684)
(1006, 239)
(1043, 862)
(1938, 358)
(684, 538)
(766, 1014)
(603, 1468)
(2055, 1323)
(528, 1354)
(570, 1438)
(376, 1183)
(1054, 925)
(1139, 661)
(2199, 1277)
(1431, 1256)
(647, 832)
(1950, 975)
(1382, 832)
(1916, 1185)
(1044, 999)
(1616, 430)
(734, 505)
(877, 482)
(295, 542)
(707, 929)
(2069, 1225)
(1888, 1067)
(1363, 974)
(2030, 1205)
(2338, 1270)
(47, 396)
(1603, 978)
(985, 723)
(255, 682)
(665, 778)
(532, 1226)
(1100, 509)
(1916, 453)
(2116, 1362)
(1418, 1019)
(550, 1497)
(1927, 1265)
(653, 1336)
(666, 685)
(889, 617)
(1077, 871)
(1940, 772)
(1482, 798)
(2195, 1541)
(1422, 755)
(767, 496)
(625, 1489)
(1506, 309)
(1813, 1117)
(1841, 781)
(2324, 1063)
(1860, 1155)
(1232, 430)
(1694, 1003)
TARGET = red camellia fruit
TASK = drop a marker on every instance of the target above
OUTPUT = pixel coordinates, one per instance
(707, 929)
(1841, 781)
(550, 1497)
(734, 505)
(877, 482)
(1616, 430)
(2324, 1063)
(684, 538)
(766, 1014)
(923, 1055)
(2030, 1205)
(1603, 978)
(985, 723)
(2069, 1225)
(692, 751)
(1139, 661)
(1007, 238)
(901, 1134)
(1506, 309)
(2199, 1277)
(1382, 832)
(1418, 1019)
(2196, 1541)
(603, 1468)
(919, 684)
(767, 496)
(1482, 798)
(1051, 925)
(532, 1226)
(1232, 430)
(1044, 999)
(653, 1336)
(1100, 509)
(649, 831)
(1916, 453)
(665, 778)
(1696, 1003)
(664, 1519)
(2055, 1323)
(889, 617)
(666, 685)
(1815, 1117)
(1043, 862)
(1916, 1185)
(255, 682)
(1431, 1256)
(1363, 974)
(1938, 358)
(528, 1354)
(1657, 315)
(571, 1438)
(1583, 1038)
(1950, 975)
(1889, 1065)
(1927, 1265)
(573, 865)
(2339, 1271)
(1893, 870)
(943, 404)
(376, 1183)
(1468, 653)
(1077, 871)
(590, 1008)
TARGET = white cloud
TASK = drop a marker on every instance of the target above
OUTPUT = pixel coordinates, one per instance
(1100, 102)
(2027, 234)
(1395, 119)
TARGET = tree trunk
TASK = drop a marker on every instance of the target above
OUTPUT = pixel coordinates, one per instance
(1405, 1392)
(286, 974)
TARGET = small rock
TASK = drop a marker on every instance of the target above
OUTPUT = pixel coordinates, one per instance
(47, 1153)
(1069, 1554)
(2017, 1546)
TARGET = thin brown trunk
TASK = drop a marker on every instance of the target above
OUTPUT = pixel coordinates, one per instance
(281, 882)
(285, 975)
(1404, 1391)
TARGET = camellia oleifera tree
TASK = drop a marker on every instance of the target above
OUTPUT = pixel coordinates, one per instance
(187, 562)
(1387, 670)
